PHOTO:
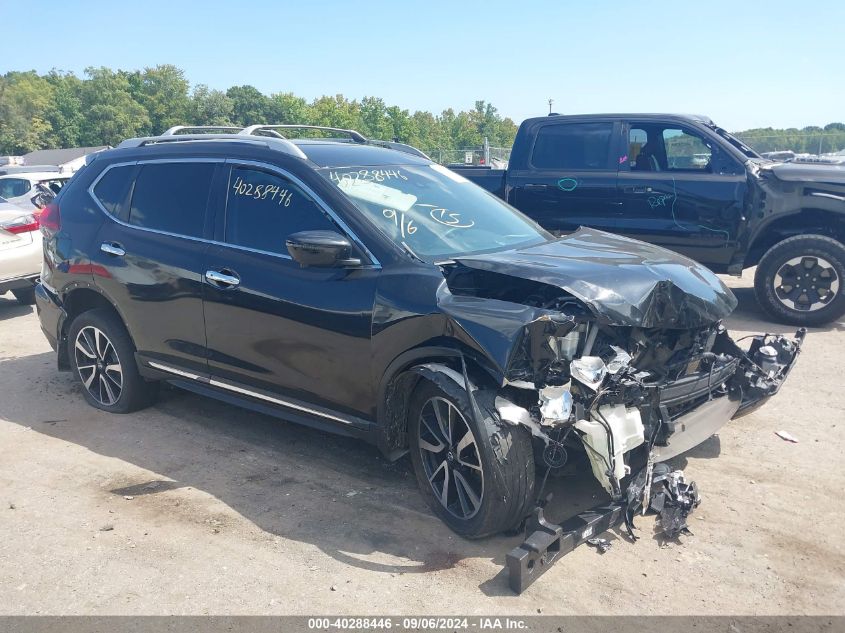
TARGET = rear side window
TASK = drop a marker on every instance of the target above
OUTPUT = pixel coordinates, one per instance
(172, 197)
(573, 146)
(263, 209)
(112, 190)
(13, 187)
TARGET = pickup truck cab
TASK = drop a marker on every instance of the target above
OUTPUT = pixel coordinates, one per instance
(681, 182)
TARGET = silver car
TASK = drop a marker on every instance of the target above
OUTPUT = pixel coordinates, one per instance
(20, 251)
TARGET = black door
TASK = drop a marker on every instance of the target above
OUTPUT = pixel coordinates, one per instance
(150, 256)
(570, 180)
(300, 333)
(681, 192)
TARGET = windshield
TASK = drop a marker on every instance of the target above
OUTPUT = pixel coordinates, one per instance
(433, 212)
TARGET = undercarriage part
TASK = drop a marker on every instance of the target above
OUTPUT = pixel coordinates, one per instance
(601, 544)
(665, 492)
(670, 496)
(546, 542)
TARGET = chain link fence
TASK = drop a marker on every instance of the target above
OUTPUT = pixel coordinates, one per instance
(498, 156)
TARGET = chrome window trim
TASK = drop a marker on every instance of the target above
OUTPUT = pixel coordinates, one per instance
(375, 264)
(147, 162)
(214, 382)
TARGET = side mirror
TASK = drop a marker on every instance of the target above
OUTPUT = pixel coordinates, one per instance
(323, 249)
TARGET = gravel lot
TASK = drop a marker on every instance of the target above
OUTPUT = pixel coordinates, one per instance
(195, 507)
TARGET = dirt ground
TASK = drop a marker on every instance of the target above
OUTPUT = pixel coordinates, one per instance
(195, 507)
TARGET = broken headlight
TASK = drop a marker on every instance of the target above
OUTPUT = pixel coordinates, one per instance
(555, 404)
(588, 370)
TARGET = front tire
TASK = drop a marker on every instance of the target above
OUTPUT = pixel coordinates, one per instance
(801, 280)
(478, 477)
(102, 358)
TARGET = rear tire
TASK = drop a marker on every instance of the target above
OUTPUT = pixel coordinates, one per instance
(25, 296)
(490, 482)
(102, 357)
(801, 280)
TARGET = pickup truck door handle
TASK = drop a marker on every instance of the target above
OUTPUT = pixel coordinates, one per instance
(112, 248)
(225, 278)
(638, 189)
(536, 187)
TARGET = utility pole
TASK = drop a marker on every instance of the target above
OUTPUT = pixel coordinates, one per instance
(551, 101)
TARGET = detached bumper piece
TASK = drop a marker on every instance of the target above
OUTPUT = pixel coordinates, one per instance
(669, 495)
(546, 542)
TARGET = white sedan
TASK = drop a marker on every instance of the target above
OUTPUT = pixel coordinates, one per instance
(20, 251)
(21, 188)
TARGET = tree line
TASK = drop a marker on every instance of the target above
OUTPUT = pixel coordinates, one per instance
(59, 109)
(104, 107)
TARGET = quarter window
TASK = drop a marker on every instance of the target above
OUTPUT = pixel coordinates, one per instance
(263, 209)
(573, 146)
(112, 190)
(14, 187)
(172, 197)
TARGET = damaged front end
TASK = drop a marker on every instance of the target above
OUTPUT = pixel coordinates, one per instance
(635, 372)
(633, 398)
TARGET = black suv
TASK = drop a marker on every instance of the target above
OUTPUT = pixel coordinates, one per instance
(368, 291)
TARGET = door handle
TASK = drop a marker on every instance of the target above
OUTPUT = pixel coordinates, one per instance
(638, 189)
(112, 248)
(536, 187)
(225, 278)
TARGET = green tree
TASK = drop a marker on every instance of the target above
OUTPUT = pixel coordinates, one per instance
(24, 100)
(111, 114)
(163, 91)
(250, 106)
(64, 113)
(210, 107)
(285, 107)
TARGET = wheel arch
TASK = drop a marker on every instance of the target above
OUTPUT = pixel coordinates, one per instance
(76, 301)
(401, 378)
(809, 220)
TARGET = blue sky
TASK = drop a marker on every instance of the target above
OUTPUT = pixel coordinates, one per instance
(744, 63)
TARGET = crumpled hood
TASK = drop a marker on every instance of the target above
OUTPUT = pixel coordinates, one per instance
(623, 281)
(809, 172)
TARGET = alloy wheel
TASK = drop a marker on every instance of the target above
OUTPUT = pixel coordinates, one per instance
(806, 283)
(451, 458)
(98, 365)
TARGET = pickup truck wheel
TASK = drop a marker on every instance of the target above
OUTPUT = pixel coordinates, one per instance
(801, 280)
(102, 357)
(478, 477)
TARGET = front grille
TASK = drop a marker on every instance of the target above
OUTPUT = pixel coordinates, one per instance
(697, 385)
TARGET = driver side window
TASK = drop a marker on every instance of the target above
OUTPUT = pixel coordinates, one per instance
(685, 151)
(264, 208)
(655, 147)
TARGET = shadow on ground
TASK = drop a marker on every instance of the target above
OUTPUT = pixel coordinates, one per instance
(10, 308)
(335, 493)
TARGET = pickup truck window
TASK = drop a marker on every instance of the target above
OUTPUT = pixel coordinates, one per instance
(665, 148)
(685, 151)
(573, 146)
(433, 212)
